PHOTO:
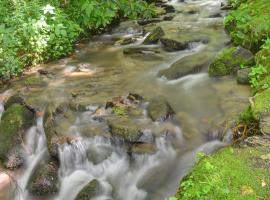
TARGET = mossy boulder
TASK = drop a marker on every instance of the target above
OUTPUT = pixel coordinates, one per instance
(34, 81)
(171, 45)
(243, 76)
(44, 181)
(185, 66)
(124, 128)
(230, 60)
(92, 189)
(154, 36)
(15, 121)
(159, 109)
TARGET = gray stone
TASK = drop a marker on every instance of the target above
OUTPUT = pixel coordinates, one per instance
(154, 36)
(243, 76)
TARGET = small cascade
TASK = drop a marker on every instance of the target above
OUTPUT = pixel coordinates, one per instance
(36, 149)
(98, 158)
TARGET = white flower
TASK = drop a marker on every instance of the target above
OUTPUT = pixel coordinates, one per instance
(48, 9)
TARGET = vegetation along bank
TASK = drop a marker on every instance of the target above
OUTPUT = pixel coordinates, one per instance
(242, 170)
(37, 31)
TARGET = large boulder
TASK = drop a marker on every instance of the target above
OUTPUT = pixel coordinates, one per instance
(159, 109)
(154, 36)
(230, 60)
(44, 181)
(171, 45)
(124, 128)
(188, 65)
(15, 121)
(92, 189)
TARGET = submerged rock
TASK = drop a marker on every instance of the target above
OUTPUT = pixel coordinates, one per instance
(14, 158)
(154, 36)
(173, 45)
(144, 22)
(124, 128)
(92, 189)
(230, 60)
(185, 66)
(15, 121)
(141, 50)
(44, 181)
(159, 109)
(243, 76)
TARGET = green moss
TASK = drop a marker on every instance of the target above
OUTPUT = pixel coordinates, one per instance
(16, 117)
(261, 104)
(89, 191)
(118, 110)
(34, 81)
(229, 61)
(246, 116)
(154, 36)
(231, 173)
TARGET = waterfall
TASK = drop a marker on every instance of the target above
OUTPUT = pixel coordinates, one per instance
(36, 149)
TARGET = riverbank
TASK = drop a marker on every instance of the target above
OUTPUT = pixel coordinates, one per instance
(242, 170)
(36, 32)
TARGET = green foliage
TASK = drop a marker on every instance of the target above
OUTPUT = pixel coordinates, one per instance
(249, 24)
(36, 31)
(255, 75)
(229, 174)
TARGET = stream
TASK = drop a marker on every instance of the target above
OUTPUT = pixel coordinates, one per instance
(99, 71)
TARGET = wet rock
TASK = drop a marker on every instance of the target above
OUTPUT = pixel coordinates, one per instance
(146, 137)
(144, 149)
(144, 22)
(185, 66)
(15, 121)
(44, 181)
(14, 159)
(265, 124)
(127, 41)
(56, 124)
(167, 8)
(92, 189)
(124, 128)
(243, 76)
(159, 109)
(96, 157)
(168, 17)
(43, 72)
(17, 98)
(171, 45)
(135, 98)
(141, 50)
(154, 36)
(229, 61)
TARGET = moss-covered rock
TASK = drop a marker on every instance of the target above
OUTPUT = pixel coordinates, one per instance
(243, 76)
(124, 128)
(185, 66)
(171, 45)
(34, 81)
(44, 181)
(15, 120)
(159, 109)
(261, 104)
(92, 189)
(154, 36)
(57, 121)
(230, 60)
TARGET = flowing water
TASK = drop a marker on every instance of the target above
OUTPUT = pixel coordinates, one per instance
(105, 72)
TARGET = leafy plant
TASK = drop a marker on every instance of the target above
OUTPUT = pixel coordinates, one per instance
(255, 75)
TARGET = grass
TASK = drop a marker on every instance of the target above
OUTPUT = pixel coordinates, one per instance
(232, 173)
